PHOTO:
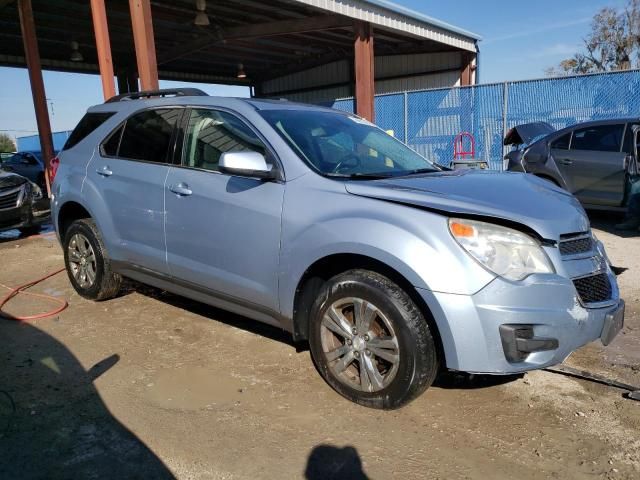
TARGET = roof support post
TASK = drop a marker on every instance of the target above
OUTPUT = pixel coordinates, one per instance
(32, 56)
(103, 45)
(145, 44)
(363, 69)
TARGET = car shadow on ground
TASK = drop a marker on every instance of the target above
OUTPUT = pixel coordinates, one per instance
(327, 462)
(53, 422)
(213, 313)
(449, 379)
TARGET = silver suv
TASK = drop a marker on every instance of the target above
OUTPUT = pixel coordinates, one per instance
(320, 223)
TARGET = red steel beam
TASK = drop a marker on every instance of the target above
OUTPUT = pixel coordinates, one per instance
(103, 46)
(32, 56)
(145, 44)
(363, 69)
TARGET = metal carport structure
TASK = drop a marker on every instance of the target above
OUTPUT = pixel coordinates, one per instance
(284, 48)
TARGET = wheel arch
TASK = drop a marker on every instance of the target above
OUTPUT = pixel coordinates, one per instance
(69, 212)
(329, 266)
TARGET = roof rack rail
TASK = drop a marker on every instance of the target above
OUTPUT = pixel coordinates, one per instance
(165, 92)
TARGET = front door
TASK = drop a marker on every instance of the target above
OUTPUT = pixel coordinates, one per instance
(223, 231)
(593, 167)
(129, 172)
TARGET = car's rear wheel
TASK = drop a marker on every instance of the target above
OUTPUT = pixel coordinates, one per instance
(87, 262)
(370, 341)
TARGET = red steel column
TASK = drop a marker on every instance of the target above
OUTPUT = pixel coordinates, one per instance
(101, 30)
(32, 56)
(145, 44)
(363, 69)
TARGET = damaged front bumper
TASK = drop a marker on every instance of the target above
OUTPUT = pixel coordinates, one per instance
(510, 327)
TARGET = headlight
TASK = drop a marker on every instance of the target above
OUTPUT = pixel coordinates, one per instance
(506, 252)
(36, 191)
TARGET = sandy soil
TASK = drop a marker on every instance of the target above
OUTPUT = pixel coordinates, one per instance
(150, 385)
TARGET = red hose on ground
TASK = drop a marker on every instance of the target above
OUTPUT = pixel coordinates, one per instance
(21, 289)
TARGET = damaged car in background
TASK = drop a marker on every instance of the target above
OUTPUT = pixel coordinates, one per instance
(594, 160)
(23, 206)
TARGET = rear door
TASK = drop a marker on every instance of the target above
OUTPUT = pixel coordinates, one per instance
(223, 231)
(593, 166)
(130, 171)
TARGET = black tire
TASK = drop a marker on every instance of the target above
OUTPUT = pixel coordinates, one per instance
(31, 230)
(107, 283)
(418, 361)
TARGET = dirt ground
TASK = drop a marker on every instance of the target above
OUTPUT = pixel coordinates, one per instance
(150, 385)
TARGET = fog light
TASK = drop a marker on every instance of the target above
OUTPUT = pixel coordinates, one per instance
(518, 342)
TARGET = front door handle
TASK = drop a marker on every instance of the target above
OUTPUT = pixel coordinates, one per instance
(181, 189)
(565, 161)
(104, 171)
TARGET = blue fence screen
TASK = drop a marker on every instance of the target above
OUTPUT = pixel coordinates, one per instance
(429, 120)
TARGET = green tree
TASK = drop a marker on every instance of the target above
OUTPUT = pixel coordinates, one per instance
(612, 44)
(6, 143)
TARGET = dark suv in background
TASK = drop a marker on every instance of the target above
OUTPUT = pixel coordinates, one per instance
(591, 160)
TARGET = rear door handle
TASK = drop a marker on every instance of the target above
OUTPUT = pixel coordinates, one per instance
(565, 161)
(181, 189)
(104, 171)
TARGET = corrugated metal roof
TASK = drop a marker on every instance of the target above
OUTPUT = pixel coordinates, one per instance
(396, 17)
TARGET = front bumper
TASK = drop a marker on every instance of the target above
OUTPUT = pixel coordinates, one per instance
(470, 325)
(26, 215)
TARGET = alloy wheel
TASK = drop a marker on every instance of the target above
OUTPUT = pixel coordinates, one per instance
(82, 261)
(360, 344)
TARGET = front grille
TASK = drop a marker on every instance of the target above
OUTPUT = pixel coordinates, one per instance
(10, 198)
(575, 245)
(594, 289)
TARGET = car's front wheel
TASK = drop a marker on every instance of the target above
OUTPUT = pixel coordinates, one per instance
(87, 262)
(370, 341)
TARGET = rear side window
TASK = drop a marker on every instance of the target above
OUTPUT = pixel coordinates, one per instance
(603, 138)
(147, 135)
(562, 143)
(88, 124)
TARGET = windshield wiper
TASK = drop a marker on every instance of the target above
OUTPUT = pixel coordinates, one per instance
(418, 171)
(360, 176)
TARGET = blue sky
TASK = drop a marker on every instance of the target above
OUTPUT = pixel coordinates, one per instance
(520, 40)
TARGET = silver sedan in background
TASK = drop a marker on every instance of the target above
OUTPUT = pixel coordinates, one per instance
(595, 161)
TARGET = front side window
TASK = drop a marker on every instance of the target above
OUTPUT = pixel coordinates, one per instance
(603, 138)
(562, 143)
(210, 133)
(345, 146)
(147, 135)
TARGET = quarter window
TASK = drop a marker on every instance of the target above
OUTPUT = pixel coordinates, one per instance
(88, 124)
(210, 133)
(603, 138)
(147, 135)
(562, 143)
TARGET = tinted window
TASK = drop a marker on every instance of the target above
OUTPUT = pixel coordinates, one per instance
(603, 138)
(147, 135)
(211, 133)
(562, 143)
(14, 159)
(110, 146)
(88, 124)
(627, 146)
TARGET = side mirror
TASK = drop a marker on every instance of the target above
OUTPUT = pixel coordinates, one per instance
(246, 164)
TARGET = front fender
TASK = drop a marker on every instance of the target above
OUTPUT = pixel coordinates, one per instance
(415, 243)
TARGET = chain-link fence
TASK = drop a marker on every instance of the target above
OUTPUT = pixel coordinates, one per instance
(429, 120)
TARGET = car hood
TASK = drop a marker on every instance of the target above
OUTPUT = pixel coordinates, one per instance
(515, 197)
(525, 133)
(8, 179)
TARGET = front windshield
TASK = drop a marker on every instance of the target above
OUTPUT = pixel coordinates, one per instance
(345, 146)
